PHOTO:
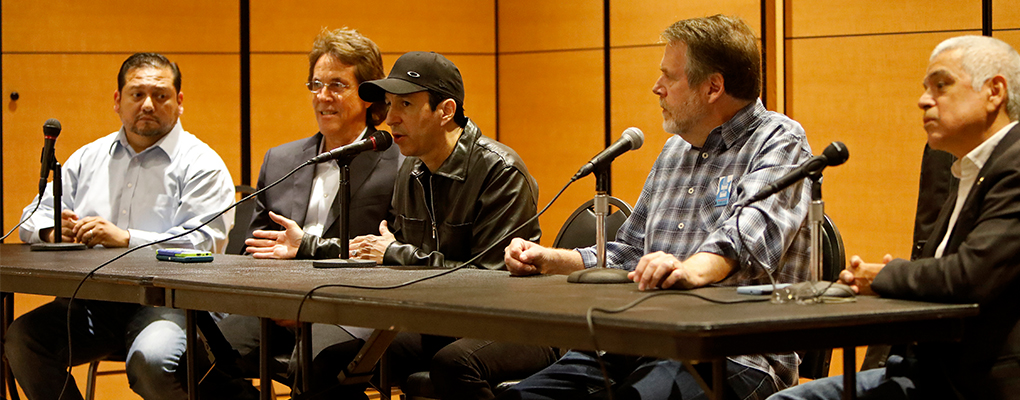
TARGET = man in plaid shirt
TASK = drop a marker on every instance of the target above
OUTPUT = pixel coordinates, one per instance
(683, 232)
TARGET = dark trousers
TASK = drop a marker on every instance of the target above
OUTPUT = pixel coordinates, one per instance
(465, 368)
(578, 376)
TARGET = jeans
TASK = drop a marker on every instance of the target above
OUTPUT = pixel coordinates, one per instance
(577, 375)
(898, 380)
(153, 337)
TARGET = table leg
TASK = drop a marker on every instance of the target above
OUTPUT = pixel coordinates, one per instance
(265, 383)
(718, 377)
(190, 332)
(849, 373)
(305, 359)
(6, 377)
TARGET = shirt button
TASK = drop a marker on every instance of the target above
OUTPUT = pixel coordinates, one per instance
(704, 155)
(130, 185)
(123, 211)
(680, 226)
(691, 190)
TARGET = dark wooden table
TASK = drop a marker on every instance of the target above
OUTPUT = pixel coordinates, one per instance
(543, 310)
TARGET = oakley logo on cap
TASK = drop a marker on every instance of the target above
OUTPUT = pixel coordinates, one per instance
(413, 74)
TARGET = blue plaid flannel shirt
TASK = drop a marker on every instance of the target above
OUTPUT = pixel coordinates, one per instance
(686, 207)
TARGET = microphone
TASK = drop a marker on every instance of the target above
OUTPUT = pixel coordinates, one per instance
(632, 139)
(835, 154)
(51, 129)
(379, 141)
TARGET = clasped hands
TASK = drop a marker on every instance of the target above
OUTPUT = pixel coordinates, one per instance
(91, 231)
(859, 274)
(284, 244)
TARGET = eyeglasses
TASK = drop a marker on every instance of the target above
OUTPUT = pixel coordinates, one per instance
(333, 87)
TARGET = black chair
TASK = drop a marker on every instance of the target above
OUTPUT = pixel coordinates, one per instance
(577, 231)
(242, 221)
(579, 228)
(815, 363)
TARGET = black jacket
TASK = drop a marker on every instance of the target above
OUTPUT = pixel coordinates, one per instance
(981, 264)
(443, 218)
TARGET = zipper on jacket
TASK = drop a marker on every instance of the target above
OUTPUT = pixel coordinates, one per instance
(430, 210)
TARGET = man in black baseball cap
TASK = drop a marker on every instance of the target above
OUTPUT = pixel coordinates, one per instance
(457, 194)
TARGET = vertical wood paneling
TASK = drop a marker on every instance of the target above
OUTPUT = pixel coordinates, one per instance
(844, 89)
(553, 119)
(808, 18)
(67, 26)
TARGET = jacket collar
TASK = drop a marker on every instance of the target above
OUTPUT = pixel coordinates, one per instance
(457, 164)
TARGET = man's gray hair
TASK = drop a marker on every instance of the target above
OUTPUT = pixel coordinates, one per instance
(984, 57)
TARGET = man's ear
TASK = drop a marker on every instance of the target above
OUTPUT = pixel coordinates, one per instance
(116, 101)
(715, 86)
(998, 93)
(180, 103)
(449, 109)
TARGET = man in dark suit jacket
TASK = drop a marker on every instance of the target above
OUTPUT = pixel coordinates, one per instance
(339, 61)
(971, 106)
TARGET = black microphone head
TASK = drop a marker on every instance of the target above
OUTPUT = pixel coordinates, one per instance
(383, 140)
(51, 127)
(635, 137)
(836, 154)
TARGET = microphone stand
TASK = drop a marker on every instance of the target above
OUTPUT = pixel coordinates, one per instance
(345, 223)
(58, 207)
(601, 211)
(816, 217)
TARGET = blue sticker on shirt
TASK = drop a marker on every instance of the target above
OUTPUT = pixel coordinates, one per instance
(722, 196)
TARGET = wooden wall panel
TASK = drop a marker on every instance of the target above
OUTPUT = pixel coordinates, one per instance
(445, 26)
(1005, 15)
(120, 26)
(551, 113)
(853, 90)
(639, 22)
(535, 25)
(853, 17)
(281, 106)
(1011, 37)
(77, 89)
(634, 72)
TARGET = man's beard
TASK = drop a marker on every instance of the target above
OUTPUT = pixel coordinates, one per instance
(148, 130)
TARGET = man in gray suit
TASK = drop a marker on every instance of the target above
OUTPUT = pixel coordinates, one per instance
(307, 202)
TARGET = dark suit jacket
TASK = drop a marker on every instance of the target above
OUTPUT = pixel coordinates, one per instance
(372, 175)
(981, 264)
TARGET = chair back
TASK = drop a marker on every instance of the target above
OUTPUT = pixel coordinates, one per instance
(242, 221)
(579, 229)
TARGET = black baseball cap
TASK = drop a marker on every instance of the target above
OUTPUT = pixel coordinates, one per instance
(415, 72)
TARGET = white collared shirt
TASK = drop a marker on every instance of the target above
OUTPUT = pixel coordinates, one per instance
(324, 189)
(170, 187)
(967, 169)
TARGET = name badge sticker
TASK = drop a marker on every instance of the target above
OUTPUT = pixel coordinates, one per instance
(722, 195)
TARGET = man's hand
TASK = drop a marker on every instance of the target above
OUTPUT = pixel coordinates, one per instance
(528, 258)
(67, 220)
(371, 247)
(276, 244)
(858, 275)
(94, 231)
(663, 270)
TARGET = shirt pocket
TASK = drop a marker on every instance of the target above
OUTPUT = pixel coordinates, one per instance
(456, 240)
(410, 230)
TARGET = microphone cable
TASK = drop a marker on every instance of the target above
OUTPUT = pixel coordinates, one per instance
(70, 359)
(23, 221)
(463, 265)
